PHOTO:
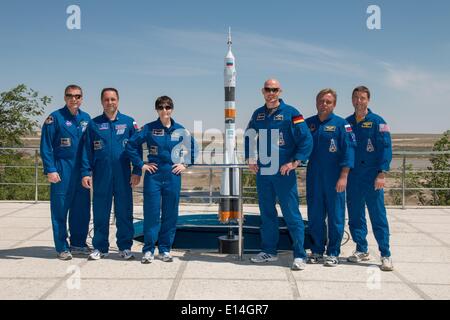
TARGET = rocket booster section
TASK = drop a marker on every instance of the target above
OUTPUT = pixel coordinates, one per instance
(228, 208)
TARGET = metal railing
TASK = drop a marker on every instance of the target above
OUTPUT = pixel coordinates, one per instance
(403, 170)
(196, 169)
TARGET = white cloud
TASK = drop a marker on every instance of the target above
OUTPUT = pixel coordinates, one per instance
(416, 81)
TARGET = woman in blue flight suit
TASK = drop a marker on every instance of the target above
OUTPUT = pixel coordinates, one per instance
(170, 151)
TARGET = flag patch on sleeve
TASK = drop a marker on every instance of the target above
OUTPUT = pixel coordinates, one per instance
(298, 119)
(348, 128)
(384, 127)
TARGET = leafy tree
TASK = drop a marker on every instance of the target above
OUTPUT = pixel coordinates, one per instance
(441, 163)
(19, 108)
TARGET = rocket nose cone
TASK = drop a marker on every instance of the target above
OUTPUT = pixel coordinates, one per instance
(229, 55)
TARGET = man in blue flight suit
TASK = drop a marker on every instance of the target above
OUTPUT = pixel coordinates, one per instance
(332, 158)
(280, 131)
(106, 168)
(170, 150)
(366, 181)
(61, 145)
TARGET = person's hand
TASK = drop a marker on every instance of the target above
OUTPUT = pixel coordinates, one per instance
(288, 167)
(253, 166)
(135, 179)
(53, 177)
(150, 167)
(341, 184)
(380, 181)
(87, 182)
(178, 168)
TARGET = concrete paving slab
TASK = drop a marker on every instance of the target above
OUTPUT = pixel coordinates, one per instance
(6, 244)
(425, 273)
(30, 270)
(233, 289)
(426, 219)
(35, 213)
(45, 236)
(215, 266)
(371, 290)
(436, 292)
(17, 233)
(346, 272)
(432, 227)
(444, 237)
(405, 239)
(33, 262)
(102, 289)
(24, 289)
(416, 254)
(401, 227)
(24, 223)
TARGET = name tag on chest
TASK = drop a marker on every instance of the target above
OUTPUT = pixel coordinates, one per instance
(158, 132)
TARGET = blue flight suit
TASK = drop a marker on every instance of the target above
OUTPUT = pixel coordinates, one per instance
(294, 143)
(162, 188)
(105, 159)
(373, 154)
(334, 149)
(61, 148)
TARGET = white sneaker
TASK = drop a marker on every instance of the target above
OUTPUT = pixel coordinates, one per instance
(298, 264)
(97, 255)
(166, 257)
(263, 257)
(331, 261)
(315, 258)
(65, 255)
(358, 257)
(126, 254)
(147, 258)
(386, 264)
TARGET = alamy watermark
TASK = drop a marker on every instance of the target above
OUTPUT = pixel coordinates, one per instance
(73, 21)
(374, 20)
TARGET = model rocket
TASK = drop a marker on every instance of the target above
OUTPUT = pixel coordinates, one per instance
(228, 208)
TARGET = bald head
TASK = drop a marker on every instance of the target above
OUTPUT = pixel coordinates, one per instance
(272, 83)
(271, 93)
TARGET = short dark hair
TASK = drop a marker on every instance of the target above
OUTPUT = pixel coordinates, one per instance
(362, 89)
(109, 89)
(163, 99)
(73, 87)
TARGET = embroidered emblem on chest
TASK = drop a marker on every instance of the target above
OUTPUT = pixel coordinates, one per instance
(370, 147)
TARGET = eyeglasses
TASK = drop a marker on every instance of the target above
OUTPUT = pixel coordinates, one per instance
(76, 96)
(273, 90)
(166, 107)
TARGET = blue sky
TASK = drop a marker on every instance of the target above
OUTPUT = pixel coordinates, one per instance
(150, 48)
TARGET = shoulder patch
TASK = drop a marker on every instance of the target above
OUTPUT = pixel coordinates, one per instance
(49, 120)
(298, 119)
(384, 127)
(348, 128)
